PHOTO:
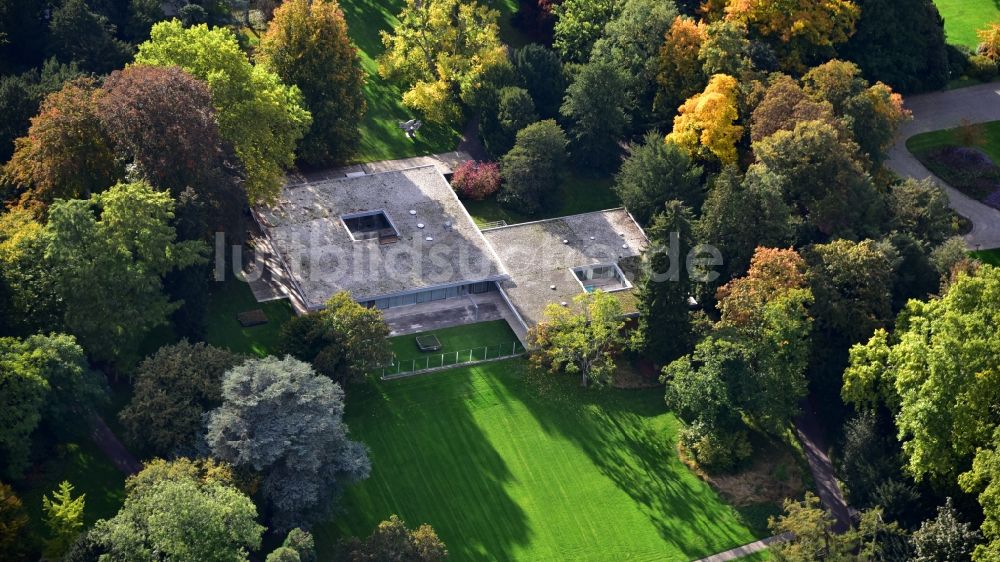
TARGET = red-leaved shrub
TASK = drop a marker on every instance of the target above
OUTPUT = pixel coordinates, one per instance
(476, 180)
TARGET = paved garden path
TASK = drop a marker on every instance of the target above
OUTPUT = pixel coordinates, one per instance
(946, 110)
(109, 444)
(747, 549)
(824, 477)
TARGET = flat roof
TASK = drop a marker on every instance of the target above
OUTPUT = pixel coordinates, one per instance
(541, 254)
(306, 229)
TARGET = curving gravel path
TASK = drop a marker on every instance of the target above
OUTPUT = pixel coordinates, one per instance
(945, 110)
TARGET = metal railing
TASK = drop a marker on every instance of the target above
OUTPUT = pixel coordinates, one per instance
(438, 360)
(494, 224)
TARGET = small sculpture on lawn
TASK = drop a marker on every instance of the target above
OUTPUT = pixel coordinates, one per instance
(410, 127)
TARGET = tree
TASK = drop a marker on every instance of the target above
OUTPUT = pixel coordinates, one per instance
(679, 72)
(180, 519)
(726, 49)
(108, 256)
(706, 124)
(439, 49)
(937, 374)
(581, 340)
(173, 388)
(579, 24)
(874, 116)
(162, 120)
(23, 26)
(80, 35)
(989, 41)
(655, 172)
(824, 181)
(46, 378)
(740, 214)
(665, 287)
(514, 111)
(870, 456)
(534, 168)
(984, 478)
(258, 115)
(64, 518)
(542, 73)
(944, 538)
(476, 180)
(785, 104)
(21, 95)
(852, 282)
(816, 539)
(596, 110)
(306, 44)
(299, 546)
(901, 43)
(803, 29)
(13, 521)
(631, 43)
(341, 341)
(66, 153)
(282, 420)
(392, 540)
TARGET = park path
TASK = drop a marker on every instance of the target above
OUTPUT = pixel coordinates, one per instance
(746, 549)
(946, 110)
(108, 443)
(810, 434)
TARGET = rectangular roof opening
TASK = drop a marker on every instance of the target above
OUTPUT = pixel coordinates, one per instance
(606, 277)
(371, 225)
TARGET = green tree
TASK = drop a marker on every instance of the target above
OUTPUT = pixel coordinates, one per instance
(46, 378)
(920, 208)
(534, 169)
(64, 518)
(901, 43)
(726, 49)
(631, 42)
(66, 153)
(392, 540)
(258, 115)
(341, 341)
(307, 45)
(740, 214)
(173, 388)
(280, 419)
(180, 519)
(944, 538)
(579, 24)
(108, 255)
(13, 521)
(542, 73)
(664, 332)
(583, 339)
(299, 546)
(824, 181)
(438, 50)
(984, 479)
(78, 34)
(515, 110)
(655, 172)
(595, 108)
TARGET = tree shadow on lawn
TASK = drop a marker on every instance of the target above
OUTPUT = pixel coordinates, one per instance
(431, 463)
(616, 429)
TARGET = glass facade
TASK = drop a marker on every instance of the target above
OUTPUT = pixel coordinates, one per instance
(432, 295)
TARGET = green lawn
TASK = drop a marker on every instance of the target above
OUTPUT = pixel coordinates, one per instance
(991, 257)
(381, 138)
(926, 142)
(91, 473)
(963, 17)
(578, 194)
(458, 338)
(224, 330)
(510, 466)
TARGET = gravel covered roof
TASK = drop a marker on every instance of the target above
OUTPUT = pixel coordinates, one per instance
(539, 255)
(322, 257)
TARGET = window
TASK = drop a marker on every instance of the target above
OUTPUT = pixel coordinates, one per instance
(606, 277)
(371, 225)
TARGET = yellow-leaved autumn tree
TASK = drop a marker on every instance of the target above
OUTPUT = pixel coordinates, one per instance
(438, 50)
(706, 124)
(801, 26)
(679, 74)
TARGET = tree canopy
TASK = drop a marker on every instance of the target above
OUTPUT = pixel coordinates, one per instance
(306, 45)
(655, 172)
(706, 124)
(534, 169)
(261, 117)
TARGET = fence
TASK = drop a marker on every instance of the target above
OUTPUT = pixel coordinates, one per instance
(494, 224)
(434, 361)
